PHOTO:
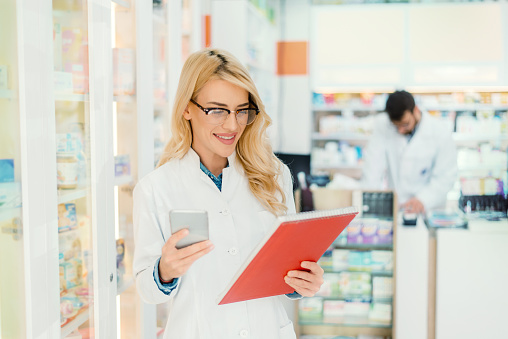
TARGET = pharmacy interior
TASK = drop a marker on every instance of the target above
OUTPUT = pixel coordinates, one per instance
(81, 97)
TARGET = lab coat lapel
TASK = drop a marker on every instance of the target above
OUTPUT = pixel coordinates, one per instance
(231, 177)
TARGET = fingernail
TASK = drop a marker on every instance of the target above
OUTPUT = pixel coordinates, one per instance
(304, 264)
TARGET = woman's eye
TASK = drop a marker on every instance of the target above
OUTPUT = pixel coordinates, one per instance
(216, 111)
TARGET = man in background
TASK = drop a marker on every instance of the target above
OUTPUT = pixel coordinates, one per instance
(412, 153)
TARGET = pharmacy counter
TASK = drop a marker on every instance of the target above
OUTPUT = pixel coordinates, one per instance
(411, 281)
(471, 281)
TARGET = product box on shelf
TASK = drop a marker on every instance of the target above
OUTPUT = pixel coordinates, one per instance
(355, 285)
(4, 79)
(75, 57)
(380, 312)
(330, 287)
(310, 308)
(122, 165)
(123, 71)
(359, 260)
(67, 219)
(370, 231)
(381, 261)
(6, 170)
(63, 82)
(333, 310)
(340, 259)
(382, 287)
(10, 195)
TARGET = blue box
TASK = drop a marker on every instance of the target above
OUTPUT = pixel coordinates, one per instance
(6, 170)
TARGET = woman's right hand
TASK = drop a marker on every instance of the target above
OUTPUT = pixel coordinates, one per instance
(175, 262)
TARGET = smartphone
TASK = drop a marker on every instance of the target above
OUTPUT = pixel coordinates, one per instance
(196, 221)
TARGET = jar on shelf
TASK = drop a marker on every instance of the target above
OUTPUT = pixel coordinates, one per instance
(67, 171)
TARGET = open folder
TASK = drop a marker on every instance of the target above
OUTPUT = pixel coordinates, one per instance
(294, 238)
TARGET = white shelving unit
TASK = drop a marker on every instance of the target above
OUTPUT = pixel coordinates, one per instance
(42, 113)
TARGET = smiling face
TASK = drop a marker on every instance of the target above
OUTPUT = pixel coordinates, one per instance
(214, 143)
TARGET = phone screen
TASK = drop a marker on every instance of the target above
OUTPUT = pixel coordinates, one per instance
(196, 221)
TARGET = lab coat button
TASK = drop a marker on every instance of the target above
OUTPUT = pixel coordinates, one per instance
(225, 212)
(233, 251)
(244, 333)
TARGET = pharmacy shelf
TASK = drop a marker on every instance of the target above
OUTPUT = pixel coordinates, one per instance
(336, 168)
(6, 94)
(124, 285)
(463, 107)
(381, 247)
(341, 136)
(70, 195)
(368, 300)
(345, 322)
(71, 97)
(351, 270)
(74, 324)
(10, 213)
(479, 137)
(123, 180)
(352, 107)
(122, 3)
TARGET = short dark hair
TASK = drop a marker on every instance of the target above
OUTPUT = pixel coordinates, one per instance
(399, 102)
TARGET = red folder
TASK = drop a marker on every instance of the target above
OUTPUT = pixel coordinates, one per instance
(295, 238)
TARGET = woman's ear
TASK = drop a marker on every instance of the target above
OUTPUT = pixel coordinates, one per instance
(186, 113)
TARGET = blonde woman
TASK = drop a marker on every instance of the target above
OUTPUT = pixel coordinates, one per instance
(219, 160)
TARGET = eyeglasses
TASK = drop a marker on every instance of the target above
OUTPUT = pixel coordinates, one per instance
(217, 115)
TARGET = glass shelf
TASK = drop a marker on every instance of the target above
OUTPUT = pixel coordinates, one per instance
(70, 195)
(344, 322)
(80, 319)
(71, 97)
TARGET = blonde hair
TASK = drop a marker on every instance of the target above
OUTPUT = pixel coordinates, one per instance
(253, 150)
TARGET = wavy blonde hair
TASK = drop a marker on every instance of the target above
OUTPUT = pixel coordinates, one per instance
(253, 150)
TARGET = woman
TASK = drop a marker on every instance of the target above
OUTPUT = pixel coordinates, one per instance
(219, 160)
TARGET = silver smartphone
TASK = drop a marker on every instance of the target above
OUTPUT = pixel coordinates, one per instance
(196, 221)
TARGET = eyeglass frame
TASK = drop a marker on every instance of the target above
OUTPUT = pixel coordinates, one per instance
(207, 110)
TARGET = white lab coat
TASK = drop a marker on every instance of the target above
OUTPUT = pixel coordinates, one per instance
(425, 167)
(237, 222)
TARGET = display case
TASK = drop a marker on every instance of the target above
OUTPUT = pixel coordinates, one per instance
(357, 296)
(73, 160)
(12, 242)
(77, 101)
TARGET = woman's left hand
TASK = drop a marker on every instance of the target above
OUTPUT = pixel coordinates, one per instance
(306, 283)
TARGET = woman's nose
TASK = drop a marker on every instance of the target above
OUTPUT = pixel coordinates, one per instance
(231, 123)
